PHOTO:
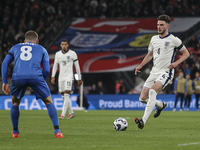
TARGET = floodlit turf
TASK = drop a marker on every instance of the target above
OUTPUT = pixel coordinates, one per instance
(94, 130)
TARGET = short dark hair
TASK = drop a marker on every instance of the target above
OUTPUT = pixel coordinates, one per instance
(165, 18)
(31, 35)
(65, 40)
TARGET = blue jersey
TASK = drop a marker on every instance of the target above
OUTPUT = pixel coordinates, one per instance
(27, 60)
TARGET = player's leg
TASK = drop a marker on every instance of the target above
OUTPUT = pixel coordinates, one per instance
(65, 104)
(185, 104)
(62, 87)
(17, 90)
(150, 104)
(176, 100)
(53, 115)
(14, 114)
(68, 105)
(144, 97)
(42, 91)
(189, 100)
(64, 109)
(164, 79)
(152, 100)
(182, 98)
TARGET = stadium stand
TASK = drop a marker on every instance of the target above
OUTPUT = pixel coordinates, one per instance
(48, 17)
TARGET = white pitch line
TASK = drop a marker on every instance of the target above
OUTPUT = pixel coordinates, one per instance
(186, 144)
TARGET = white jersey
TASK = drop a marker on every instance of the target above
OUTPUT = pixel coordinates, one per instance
(164, 50)
(65, 61)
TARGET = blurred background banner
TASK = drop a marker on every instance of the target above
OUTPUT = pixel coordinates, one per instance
(96, 102)
(121, 43)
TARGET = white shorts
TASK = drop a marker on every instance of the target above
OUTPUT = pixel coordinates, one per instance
(164, 78)
(65, 86)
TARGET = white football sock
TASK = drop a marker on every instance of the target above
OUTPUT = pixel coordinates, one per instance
(150, 105)
(158, 103)
(69, 107)
(65, 104)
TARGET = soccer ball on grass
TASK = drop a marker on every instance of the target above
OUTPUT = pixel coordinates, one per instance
(120, 124)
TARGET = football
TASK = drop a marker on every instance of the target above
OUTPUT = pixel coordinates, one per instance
(120, 124)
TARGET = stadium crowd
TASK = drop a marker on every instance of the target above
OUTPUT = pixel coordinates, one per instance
(133, 8)
(46, 17)
(16, 17)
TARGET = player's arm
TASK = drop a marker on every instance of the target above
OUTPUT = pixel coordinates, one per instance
(46, 69)
(184, 52)
(184, 56)
(54, 70)
(45, 63)
(146, 59)
(4, 71)
(78, 71)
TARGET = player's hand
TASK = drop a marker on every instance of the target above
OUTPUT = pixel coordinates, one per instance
(173, 65)
(6, 88)
(137, 69)
(185, 94)
(79, 82)
(53, 80)
(175, 92)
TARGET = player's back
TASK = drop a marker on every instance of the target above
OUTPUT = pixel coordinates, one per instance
(27, 59)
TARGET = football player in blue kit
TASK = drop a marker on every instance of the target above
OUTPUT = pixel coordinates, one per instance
(27, 72)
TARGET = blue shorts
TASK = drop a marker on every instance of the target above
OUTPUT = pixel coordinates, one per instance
(38, 85)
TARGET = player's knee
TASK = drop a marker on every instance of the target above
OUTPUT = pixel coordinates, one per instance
(67, 92)
(143, 100)
(47, 100)
(16, 101)
(152, 94)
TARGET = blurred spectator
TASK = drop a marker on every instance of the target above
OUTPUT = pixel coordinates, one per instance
(193, 72)
(189, 90)
(197, 89)
(193, 43)
(100, 88)
(119, 87)
(179, 89)
(93, 90)
(198, 37)
(187, 69)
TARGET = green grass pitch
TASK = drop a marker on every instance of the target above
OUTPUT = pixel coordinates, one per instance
(94, 130)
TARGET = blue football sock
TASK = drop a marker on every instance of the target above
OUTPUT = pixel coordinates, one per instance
(14, 114)
(56, 130)
(54, 116)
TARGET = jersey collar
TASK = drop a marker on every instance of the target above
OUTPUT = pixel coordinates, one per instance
(165, 36)
(66, 51)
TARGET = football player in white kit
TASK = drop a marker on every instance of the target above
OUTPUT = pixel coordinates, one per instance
(66, 58)
(162, 49)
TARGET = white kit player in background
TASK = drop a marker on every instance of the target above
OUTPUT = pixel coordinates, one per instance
(162, 49)
(66, 58)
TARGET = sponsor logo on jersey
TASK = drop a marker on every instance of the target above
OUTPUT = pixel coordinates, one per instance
(64, 63)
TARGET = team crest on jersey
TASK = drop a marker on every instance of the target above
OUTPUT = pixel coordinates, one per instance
(68, 58)
(166, 44)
